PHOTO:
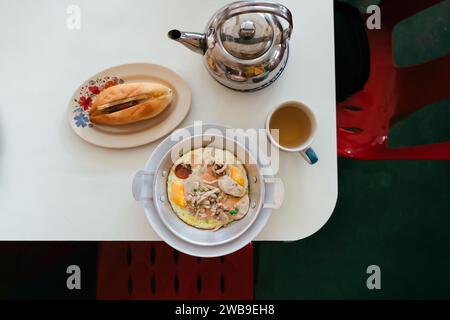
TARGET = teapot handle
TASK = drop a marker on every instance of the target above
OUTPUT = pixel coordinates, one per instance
(244, 7)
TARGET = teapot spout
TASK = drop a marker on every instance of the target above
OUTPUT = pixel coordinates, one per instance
(192, 40)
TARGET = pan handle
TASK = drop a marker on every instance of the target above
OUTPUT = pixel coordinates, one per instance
(143, 185)
(277, 194)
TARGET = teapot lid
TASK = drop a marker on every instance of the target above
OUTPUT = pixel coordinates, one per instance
(248, 36)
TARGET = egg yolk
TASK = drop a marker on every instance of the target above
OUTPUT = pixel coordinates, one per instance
(178, 196)
(237, 176)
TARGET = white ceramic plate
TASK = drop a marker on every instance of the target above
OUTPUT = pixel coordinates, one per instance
(137, 134)
(189, 248)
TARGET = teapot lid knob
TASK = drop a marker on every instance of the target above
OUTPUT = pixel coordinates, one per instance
(248, 30)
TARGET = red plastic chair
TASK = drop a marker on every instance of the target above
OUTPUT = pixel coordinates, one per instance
(153, 270)
(391, 94)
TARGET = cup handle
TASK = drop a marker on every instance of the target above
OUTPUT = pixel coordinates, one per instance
(143, 185)
(310, 156)
(278, 193)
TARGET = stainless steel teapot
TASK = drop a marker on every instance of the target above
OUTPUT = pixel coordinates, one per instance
(245, 45)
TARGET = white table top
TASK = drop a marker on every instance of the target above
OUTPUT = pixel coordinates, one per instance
(55, 186)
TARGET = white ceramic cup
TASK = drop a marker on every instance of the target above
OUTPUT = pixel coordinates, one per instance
(305, 148)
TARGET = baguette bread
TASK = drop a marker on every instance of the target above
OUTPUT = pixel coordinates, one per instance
(130, 103)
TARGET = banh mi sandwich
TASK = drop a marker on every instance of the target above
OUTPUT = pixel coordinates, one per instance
(130, 103)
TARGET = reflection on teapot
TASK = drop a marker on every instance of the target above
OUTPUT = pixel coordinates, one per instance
(245, 45)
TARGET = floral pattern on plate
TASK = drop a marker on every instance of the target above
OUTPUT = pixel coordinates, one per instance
(86, 98)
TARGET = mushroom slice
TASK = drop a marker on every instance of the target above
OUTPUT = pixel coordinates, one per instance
(211, 184)
(220, 169)
(191, 184)
(229, 186)
(207, 194)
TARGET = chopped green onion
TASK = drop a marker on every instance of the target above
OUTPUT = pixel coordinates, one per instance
(234, 211)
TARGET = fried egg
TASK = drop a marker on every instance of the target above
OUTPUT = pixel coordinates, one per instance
(180, 189)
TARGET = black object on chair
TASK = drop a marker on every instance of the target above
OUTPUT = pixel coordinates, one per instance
(352, 50)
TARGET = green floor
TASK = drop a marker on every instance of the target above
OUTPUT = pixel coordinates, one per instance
(392, 214)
